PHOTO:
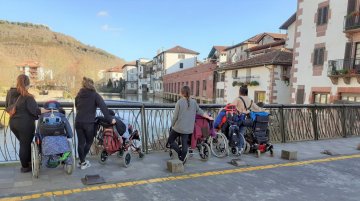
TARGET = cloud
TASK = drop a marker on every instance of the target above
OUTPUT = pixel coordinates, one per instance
(109, 28)
(102, 13)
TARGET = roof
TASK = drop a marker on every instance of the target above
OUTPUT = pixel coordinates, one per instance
(204, 65)
(257, 38)
(288, 22)
(30, 63)
(131, 63)
(216, 48)
(117, 69)
(275, 57)
(179, 49)
(268, 45)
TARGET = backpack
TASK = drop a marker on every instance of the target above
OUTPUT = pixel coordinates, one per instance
(111, 142)
(234, 135)
(51, 124)
(228, 112)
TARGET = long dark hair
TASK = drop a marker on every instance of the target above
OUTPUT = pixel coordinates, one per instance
(185, 91)
(22, 82)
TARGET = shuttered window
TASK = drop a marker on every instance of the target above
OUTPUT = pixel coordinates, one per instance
(322, 15)
(319, 56)
(300, 96)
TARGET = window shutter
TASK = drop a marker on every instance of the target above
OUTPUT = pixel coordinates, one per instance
(316, 55)
(319, 15)
(300, 96)
(321, 56)
(325, 15)
(348, 51)
(351, 6)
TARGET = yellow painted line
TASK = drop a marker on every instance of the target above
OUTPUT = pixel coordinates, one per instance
(173, 178)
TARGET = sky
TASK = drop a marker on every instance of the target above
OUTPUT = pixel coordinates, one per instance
(133, 29)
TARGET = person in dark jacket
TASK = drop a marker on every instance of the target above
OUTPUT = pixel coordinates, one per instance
(86, 103)
(22, 123)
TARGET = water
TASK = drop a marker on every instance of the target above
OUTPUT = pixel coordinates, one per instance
(144, 98)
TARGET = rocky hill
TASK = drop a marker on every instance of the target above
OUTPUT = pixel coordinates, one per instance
(68, 58)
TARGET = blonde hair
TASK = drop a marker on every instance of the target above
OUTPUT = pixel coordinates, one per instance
(88, 83)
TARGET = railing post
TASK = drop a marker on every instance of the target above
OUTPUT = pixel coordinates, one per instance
(314, 122)
(343, 121)
(144, 134)
(282, 124)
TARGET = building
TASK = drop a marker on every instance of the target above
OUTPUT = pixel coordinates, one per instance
(200, 79)
(326, 67)
(33, 69)
(171, 61)
(266, 75)
(238, 52)
(130, 75)
(217, 54)
(144, 69)
(113, 75)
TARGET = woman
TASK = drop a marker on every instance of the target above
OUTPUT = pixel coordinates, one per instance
(183, 122)
(22, 123)
(86, 103)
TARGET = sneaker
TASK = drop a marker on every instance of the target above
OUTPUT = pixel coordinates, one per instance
(186, 157)
(79, 163)
(85, 165)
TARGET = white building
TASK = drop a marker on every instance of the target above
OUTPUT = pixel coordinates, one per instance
(326, 66)
(113, 74)
(33, 69)
(170, 61)
(144, 69)
(130, 75)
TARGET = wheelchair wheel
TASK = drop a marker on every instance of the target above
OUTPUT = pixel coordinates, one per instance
(219, 145)
(35, 160)
(247, 148)
(103, 157)
(68, 168)
(235, 150)
(72, 155)
(205, 152)
(126, 159)
(258, 153)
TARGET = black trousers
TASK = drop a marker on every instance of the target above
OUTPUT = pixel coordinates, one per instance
(184, 142)
(24, 130)
(85, 133)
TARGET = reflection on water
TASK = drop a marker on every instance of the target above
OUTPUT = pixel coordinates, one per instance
(145, 98)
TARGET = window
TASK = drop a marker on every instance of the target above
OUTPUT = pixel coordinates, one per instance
(321, 98)
(181, 65)
(350, 97)
(322, 15)
(160, 86)
(192, 87)
(300, 96)
(181, 56)
(178, 87)
(222, 77)
(319, 56)
(204, 84)
(259, 96)
(187, 83)
(175, 88)
(197, 88)
(234, 73)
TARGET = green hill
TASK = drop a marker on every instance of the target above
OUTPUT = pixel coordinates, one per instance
(68, 58)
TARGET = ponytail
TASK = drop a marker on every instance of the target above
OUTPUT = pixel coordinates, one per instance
(185, 91)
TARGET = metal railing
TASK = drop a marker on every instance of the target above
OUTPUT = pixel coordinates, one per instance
(288, 123)
(352, 22)
(344, 67)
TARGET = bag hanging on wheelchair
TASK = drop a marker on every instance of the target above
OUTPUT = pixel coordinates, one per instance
(246, 119)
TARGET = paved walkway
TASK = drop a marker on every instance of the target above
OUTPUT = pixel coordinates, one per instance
(206, 178)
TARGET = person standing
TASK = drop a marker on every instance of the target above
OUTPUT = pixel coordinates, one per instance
(86, 103)
(22, 123)
(183, 122)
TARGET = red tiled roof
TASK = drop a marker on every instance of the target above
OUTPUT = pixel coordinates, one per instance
(30, 63)
(257, 38)
(179, 49)
(275, 57)
(269, 45)
(115, 69)
(131, 63)
(204, 65)
(220, 48)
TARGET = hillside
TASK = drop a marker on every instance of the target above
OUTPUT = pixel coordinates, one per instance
(64, 55)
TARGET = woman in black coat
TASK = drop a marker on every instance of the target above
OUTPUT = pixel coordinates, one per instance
(86, 103)
(22, 123)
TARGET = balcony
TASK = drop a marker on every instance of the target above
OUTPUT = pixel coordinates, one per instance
(352, 22)
(246, 80)
(344, 68)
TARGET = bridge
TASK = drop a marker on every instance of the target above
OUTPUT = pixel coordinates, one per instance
(307, 129)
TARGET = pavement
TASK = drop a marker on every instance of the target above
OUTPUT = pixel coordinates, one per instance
(314, 176)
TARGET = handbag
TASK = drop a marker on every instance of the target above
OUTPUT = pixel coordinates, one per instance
(11, 109)
(247, 121)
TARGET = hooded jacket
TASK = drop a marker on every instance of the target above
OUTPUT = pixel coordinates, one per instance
(86, 103)
(26, 107)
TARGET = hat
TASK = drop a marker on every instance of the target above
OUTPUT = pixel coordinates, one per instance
(52, 105)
